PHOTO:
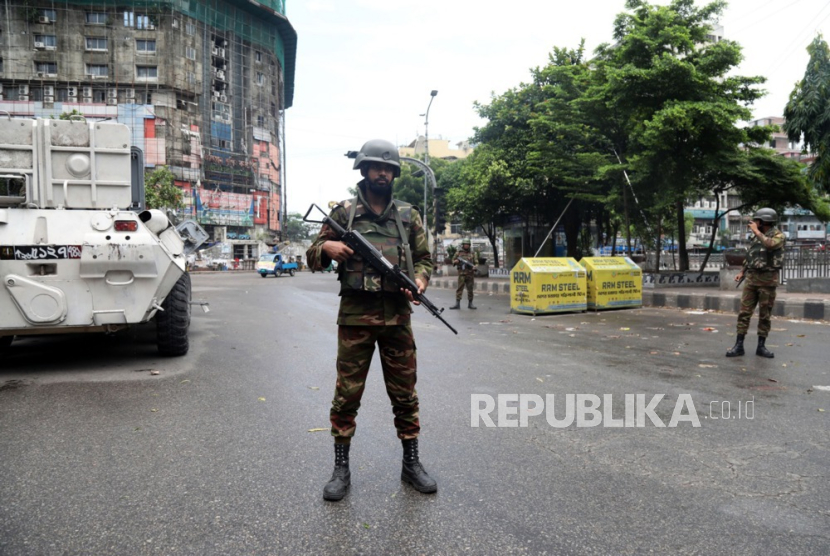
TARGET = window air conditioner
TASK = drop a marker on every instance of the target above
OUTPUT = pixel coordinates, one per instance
(49, 91)
(1, 96)
(220, 75)
(87, 100)
(112, 93)
(23, 89)
(223, 98)
(72, 91)
(43, 19)
(87, 91)
(48, 98)
(130, 93)
(39, 44)
(112, 101)
(24, 98)
(41, 73)
(216, 94)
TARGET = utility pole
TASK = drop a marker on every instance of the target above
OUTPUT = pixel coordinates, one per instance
(426, 151)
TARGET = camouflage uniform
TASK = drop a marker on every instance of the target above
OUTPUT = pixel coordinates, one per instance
(375, 312)
(466, 276)
(761, 269)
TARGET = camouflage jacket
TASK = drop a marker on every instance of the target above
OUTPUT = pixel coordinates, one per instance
(462, 268)
(379, 306)
(765, 257)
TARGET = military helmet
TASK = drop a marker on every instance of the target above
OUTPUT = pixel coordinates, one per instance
(378, 150)
(465, 241)
(766, 215)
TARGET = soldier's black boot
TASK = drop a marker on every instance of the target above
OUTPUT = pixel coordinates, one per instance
(336, 488)
(413, 472)
(738, 348)
(457, 304)
(762, 349)
(470, 305)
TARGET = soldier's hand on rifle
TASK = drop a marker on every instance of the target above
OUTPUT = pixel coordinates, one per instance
(337, 250)
(739, 276)
(421, 289)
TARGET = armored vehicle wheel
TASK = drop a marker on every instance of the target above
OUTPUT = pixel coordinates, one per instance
(5, 342)
(173, 322)
(291, 272)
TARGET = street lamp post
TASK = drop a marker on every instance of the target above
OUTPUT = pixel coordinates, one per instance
(426, 149)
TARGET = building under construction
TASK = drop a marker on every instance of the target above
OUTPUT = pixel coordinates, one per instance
(203, 85)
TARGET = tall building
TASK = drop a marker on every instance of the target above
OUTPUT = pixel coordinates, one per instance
(202, 84)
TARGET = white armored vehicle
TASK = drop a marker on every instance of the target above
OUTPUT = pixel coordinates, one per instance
(77, 251)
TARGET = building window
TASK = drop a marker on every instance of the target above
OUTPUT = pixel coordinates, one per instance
(46, 41)
(260, 78)
(146, 72)
(258, 57)
(97, 69)
(47, 16)
(96, 18)
(95, 43)
(191, 78)
(190, 53)
(190, 29)
(143, 22)
(48, 68)
(260, 121)
(145, 46)
(129, 19)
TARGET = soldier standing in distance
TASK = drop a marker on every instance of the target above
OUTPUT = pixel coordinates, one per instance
(466, 274)
(373, 311)
(764, 259)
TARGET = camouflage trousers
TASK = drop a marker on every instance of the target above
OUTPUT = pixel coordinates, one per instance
(355, 348)
(761, 293)
(468, 281)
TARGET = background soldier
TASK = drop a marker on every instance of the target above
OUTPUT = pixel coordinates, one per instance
(764, 259)
(373, 311)
(466, 274)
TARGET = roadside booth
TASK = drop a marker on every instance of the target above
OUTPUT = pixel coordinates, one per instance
(547, 285)
(613, 283)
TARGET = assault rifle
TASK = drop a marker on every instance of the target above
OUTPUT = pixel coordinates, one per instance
(371, 255)
(466, 264)
(741, 281)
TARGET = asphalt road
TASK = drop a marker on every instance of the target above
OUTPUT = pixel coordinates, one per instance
(213, 454)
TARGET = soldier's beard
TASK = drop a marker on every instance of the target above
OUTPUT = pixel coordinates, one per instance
(381, 188)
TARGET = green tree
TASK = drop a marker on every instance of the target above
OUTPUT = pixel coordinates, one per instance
(808, 112)
(296, 229)
(161, 191)
(679, 99)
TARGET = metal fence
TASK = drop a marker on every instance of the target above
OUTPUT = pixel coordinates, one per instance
(804, 263)
(798, 263)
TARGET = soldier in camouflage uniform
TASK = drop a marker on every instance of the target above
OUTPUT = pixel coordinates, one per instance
(373, 311)
(466, 274)
(764, 259)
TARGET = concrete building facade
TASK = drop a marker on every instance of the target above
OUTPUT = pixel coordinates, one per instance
(202, 85)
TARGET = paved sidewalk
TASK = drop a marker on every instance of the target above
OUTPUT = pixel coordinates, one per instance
(810, 306)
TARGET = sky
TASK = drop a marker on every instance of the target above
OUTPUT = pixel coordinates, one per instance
(365, 68)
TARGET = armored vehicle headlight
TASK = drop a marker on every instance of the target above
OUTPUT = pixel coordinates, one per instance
(126, 225)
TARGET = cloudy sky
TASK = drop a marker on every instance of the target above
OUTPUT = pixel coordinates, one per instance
(365, 68)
